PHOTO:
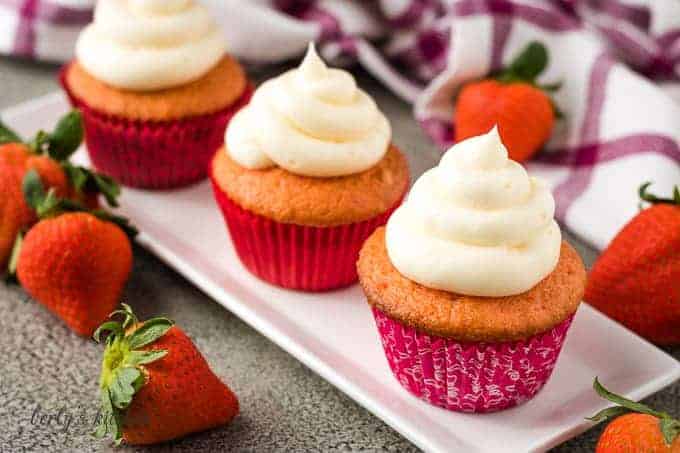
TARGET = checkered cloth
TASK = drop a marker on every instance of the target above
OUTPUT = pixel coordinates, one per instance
(619, 61)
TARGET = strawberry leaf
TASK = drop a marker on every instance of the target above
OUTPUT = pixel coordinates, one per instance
(144, 357)
(66, 137)
(44, 204)
(87, 181)
(109, 422)
(551, 87)
(108, 187)
(129, 318)
(530, 62)
(625, 402)
(112, 327)
(7, 135)
(33, 189)
(670, 429)
(150, 331)
(606, 414)
(651, 198)
(121, 388)
(76, 175)
(122, 222)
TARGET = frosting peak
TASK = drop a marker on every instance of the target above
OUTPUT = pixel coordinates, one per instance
(476, 224)
(313, 121)
(149, 44)
(330, 85)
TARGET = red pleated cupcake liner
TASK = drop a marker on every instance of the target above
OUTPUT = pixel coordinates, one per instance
(469, 377)
(306, 258)
(153, 154)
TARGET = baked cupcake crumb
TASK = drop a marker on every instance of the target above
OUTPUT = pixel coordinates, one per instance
(468, 318)
(289, 198)
(216, 90)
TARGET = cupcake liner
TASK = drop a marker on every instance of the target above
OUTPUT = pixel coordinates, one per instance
(153, 154)
(469, 377)
(293, 256)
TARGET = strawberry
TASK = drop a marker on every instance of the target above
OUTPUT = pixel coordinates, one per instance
(14, 212)
(48, 154)
(51, 173)
(155, 385)
(643, 430)
(636, 280)
(524, 113)
(14, 154)
(73, 261)
(15, 160)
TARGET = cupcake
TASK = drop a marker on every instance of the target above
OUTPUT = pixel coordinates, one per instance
(471, 286)
(156, 89)
(306, 174)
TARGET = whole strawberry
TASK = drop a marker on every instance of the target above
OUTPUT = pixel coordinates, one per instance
(74, 261)
(636, 280)
(640, 430)
(522, 109)
(155, 385)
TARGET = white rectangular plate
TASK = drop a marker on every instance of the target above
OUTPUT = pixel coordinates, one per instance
(334, 334)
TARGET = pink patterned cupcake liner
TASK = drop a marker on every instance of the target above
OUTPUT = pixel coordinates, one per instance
(153, 154)
(293, 256)
(469, 377)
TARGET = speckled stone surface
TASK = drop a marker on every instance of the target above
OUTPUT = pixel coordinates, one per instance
(48, 376)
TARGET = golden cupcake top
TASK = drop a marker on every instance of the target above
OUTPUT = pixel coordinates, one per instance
(471, 318)
(283, 196)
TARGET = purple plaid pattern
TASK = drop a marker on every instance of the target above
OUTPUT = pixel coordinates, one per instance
(627, 28)
(423, 46)
(428, 48)
(30, 12)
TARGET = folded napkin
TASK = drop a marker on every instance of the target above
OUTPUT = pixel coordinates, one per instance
(619, 62)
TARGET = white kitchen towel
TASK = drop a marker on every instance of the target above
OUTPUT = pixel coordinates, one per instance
(619, 62)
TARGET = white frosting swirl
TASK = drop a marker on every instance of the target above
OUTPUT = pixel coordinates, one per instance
(477, 224)
(312, 121)
(149, 45)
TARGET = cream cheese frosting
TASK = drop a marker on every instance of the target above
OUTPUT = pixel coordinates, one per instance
(311, 121)
(476, 224)
(147, 45)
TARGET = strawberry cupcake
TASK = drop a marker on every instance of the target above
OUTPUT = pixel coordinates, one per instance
(471, 286)
(156, 89)
(306, 174)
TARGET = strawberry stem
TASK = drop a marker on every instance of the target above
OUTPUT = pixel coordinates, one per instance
(670, 427)
(123, 372)
(651, 198)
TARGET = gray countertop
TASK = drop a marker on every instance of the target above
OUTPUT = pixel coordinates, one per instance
(45, 369)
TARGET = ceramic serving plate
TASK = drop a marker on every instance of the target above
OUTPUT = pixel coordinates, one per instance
(334, 333)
